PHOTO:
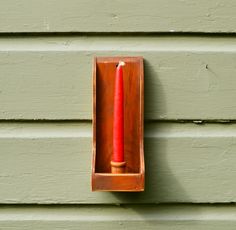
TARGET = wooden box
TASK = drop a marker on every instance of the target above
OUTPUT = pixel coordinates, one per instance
(103, 103)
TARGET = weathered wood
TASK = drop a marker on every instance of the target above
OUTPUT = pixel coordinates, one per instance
(50, 162)
(118, 16)
(50, 77)
(168, 217)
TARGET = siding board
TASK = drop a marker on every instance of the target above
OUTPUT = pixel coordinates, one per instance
(163, 217)
(50, 162)
(186, 77)
(118, 16)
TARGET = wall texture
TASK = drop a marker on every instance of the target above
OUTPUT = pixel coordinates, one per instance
(46, 54)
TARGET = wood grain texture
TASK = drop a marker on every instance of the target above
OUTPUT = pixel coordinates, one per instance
(186, 77)
(163, 217)
(104, 80)
(50, 162)
(104, 177)
(118, 16)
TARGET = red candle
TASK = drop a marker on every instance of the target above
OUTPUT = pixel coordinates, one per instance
(118, 123)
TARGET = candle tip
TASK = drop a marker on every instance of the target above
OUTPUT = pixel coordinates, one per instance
(121, 63)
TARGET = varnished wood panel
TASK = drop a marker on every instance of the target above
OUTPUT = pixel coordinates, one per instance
(103, 114)
(105, 82)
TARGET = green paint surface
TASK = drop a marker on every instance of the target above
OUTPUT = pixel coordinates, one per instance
(46, 112)
(164, 217)
(118, 16)
(186, 77)
(50, 162)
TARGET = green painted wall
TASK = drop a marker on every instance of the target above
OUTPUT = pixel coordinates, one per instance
(118, 16)
(46, 55)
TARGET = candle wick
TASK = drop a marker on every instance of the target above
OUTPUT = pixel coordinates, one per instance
(121, 63)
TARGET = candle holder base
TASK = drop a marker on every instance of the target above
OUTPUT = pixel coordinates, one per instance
(118, 167)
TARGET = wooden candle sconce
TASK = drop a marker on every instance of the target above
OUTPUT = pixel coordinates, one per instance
(132, 180)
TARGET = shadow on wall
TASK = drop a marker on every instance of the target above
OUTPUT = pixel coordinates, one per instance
(161, 184)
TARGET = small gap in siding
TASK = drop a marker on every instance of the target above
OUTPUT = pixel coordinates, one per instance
(103, 34)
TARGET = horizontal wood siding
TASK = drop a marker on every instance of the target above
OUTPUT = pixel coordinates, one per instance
(50, 162)
(118, 16)
(167, 217)
(186, 77)
(47, 50)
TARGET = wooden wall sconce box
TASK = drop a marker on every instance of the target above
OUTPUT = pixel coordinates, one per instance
(104, 72)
